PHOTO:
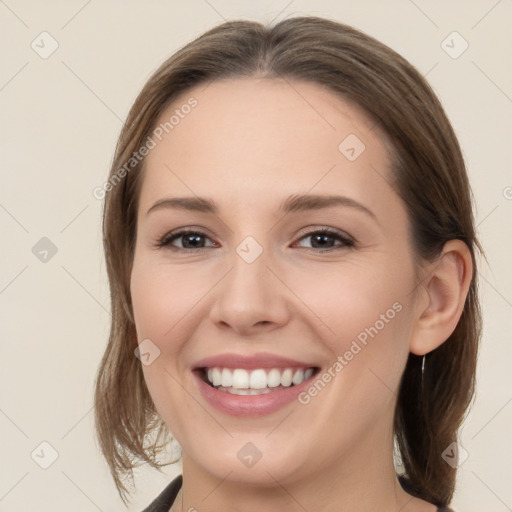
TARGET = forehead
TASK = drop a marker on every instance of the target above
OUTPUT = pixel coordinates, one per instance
(269, 137)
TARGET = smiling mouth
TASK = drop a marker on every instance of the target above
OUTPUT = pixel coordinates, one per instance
(240, 381)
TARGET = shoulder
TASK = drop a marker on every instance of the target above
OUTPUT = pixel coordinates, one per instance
(166, 498)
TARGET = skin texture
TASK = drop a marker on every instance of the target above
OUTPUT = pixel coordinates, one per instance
(248, 145)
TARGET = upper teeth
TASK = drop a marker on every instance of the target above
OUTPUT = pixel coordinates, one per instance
(257, 379)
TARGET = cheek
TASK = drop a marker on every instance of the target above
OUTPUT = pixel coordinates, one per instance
(368, 312)
(157, 308)
(166, 306)
(160, 300)
(360, 302)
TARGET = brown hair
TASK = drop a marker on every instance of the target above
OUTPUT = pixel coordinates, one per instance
(428, 174)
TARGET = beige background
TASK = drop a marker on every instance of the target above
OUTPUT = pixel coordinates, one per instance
(61, 117)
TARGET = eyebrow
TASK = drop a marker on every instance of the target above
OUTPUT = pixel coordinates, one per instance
(293, 203)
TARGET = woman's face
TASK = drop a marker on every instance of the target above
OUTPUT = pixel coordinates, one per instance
(260, 278)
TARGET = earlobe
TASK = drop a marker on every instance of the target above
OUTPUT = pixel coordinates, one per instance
(446, 289)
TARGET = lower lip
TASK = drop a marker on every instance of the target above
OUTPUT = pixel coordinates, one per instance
(250, 405)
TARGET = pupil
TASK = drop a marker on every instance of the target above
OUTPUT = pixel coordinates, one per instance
(194, 237)
(321, 237)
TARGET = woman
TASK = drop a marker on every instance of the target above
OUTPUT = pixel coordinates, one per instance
(290, 246)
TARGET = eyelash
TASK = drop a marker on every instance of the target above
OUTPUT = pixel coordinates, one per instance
(165, 241)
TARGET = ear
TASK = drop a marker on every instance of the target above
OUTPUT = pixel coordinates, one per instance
(442, 296)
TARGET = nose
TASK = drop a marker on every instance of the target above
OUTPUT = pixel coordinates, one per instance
(250, 298)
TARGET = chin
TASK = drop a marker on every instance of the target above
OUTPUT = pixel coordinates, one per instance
(252, 465)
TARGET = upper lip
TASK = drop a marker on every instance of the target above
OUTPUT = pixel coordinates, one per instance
(254, 361)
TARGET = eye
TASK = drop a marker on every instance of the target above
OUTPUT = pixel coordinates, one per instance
(322, 239)
(191, 240)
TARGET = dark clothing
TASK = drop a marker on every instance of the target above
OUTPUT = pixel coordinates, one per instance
(166, 498)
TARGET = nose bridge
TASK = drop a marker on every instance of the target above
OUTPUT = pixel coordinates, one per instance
(249, 294)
